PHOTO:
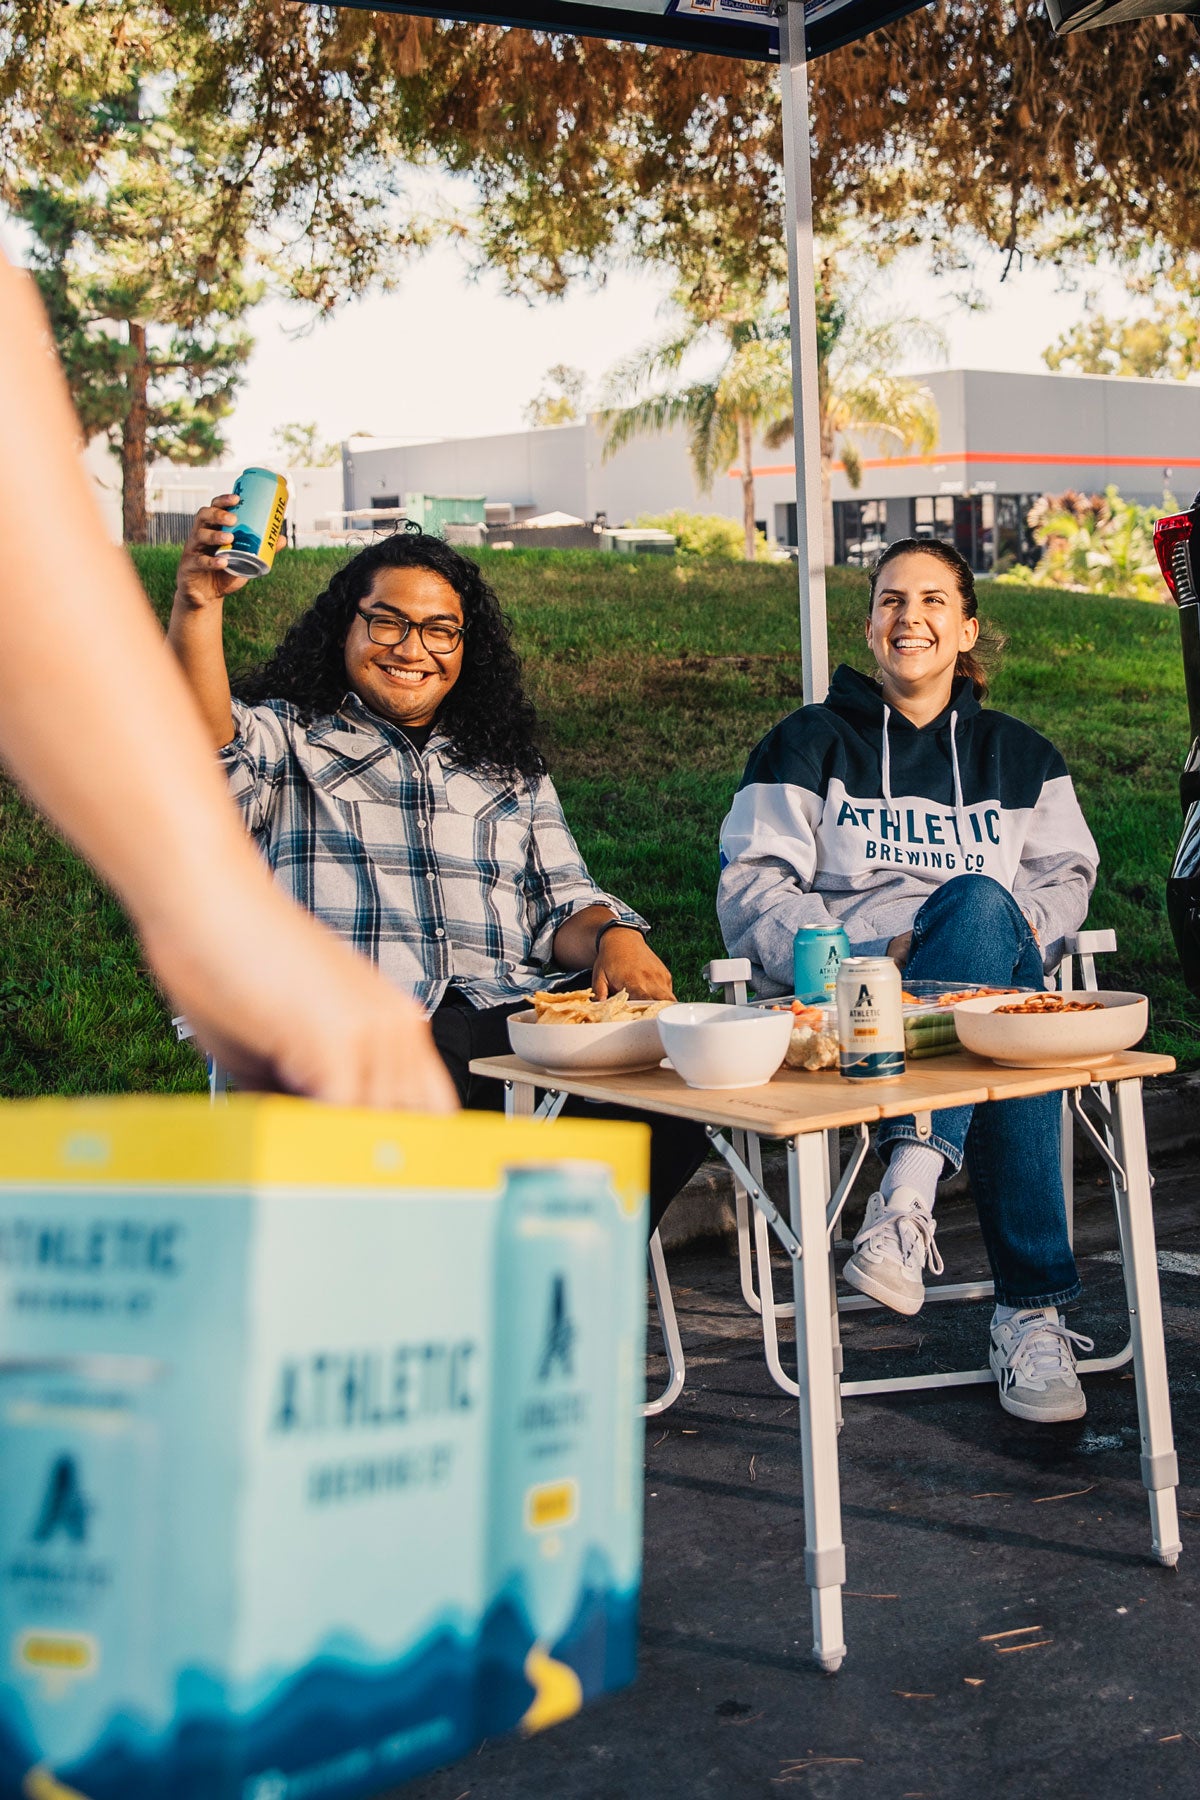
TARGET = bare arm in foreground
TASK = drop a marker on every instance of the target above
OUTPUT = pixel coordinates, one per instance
(98, 726)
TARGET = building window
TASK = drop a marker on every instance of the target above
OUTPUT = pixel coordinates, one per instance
(859, 531)
(785, 524)
(967, 521)
(986, 529)
(933, 517)
(1014, 542)
(382, 502)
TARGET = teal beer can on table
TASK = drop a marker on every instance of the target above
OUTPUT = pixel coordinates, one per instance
(817, 956)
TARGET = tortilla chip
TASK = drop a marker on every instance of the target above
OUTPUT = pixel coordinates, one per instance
(580, 1008)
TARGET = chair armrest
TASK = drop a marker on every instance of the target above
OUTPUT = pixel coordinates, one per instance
(1087, 946)
(730, 973)
(1090, 943)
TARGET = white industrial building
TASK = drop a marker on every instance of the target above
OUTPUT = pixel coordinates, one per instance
(1005, 439)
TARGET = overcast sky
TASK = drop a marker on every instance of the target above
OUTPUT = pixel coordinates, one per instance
(449, 355)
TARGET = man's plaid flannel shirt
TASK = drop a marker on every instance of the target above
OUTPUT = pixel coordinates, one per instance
(441, 875)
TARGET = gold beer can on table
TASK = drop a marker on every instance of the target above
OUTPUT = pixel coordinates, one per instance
(870, 1019)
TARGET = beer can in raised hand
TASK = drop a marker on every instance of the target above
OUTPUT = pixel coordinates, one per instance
(262, 508)
(870, 1019)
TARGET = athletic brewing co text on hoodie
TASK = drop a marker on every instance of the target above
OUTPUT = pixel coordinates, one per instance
(850, 814)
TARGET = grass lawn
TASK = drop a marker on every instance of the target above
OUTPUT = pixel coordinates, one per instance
(654, 679)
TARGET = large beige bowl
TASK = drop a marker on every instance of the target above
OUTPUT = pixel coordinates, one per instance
(1043, 1041)
(586, 1049)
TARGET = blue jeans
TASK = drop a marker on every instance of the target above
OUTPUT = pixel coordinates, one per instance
(972, 930)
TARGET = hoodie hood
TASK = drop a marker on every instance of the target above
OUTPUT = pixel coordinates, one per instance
(859, 700)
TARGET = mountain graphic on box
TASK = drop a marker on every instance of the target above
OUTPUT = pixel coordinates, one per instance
(344, 1728)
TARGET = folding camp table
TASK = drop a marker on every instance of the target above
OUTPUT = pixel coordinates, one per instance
(801, 1109)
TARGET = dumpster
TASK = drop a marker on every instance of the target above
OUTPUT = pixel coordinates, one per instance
(638, 540)
(433, 512)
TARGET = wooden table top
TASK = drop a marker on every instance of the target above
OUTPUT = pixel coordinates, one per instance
(794, 1102)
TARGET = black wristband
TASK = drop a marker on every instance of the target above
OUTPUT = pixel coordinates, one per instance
(613, 925)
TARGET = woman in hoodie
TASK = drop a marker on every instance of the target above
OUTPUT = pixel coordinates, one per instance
(948, 837)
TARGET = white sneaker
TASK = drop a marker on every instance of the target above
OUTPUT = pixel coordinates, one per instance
(892, 1249)
(1032, 1358)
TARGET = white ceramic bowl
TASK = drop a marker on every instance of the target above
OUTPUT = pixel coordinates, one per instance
(586, 1049)
(713, 1045)
(1044, 1040)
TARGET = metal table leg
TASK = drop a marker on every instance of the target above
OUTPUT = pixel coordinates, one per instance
(741, 1208)
(824, 1552)
(1160, 1466)
(771, 1310)
(519, 1100)
(831, 1177)
(748, 1147)
(753, 1196)
(672, 1342)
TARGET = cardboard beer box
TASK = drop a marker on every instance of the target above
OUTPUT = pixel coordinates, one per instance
(320, 1450)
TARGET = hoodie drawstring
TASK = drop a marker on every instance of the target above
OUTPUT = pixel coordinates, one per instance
(961, 815)
(960, 805)
(887, 759)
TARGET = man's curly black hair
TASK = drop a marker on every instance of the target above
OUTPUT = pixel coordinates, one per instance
(487, 715)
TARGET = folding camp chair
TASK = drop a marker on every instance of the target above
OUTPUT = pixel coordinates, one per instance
(731, 976)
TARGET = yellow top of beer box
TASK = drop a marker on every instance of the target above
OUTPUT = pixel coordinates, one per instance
(252, 1141)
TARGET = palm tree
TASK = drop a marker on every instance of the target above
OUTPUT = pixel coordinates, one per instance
(751, 393)
(748, 395)
(860, 395)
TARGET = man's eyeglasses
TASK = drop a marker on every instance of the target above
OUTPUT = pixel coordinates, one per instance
(388, 629)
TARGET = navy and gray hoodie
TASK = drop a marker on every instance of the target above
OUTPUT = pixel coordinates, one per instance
(848, 813)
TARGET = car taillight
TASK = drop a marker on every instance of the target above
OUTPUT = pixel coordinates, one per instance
(1172, 542)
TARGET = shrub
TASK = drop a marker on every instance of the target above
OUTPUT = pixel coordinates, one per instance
(705, 534)
(1094, 544)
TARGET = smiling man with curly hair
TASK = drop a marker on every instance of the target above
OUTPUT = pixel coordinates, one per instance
(385, 759)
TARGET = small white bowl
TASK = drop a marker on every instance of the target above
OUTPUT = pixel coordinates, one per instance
(586, 1049)
(1044, 1040)
(713, 1045)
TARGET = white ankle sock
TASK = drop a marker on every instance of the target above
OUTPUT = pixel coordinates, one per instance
(916, 1166)
(1002, 1314)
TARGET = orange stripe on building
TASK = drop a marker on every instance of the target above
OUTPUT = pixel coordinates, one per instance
(996, 456)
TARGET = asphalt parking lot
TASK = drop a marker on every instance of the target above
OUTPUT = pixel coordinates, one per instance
(1008, 1633)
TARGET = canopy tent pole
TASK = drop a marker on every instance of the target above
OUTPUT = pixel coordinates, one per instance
(802, 283)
